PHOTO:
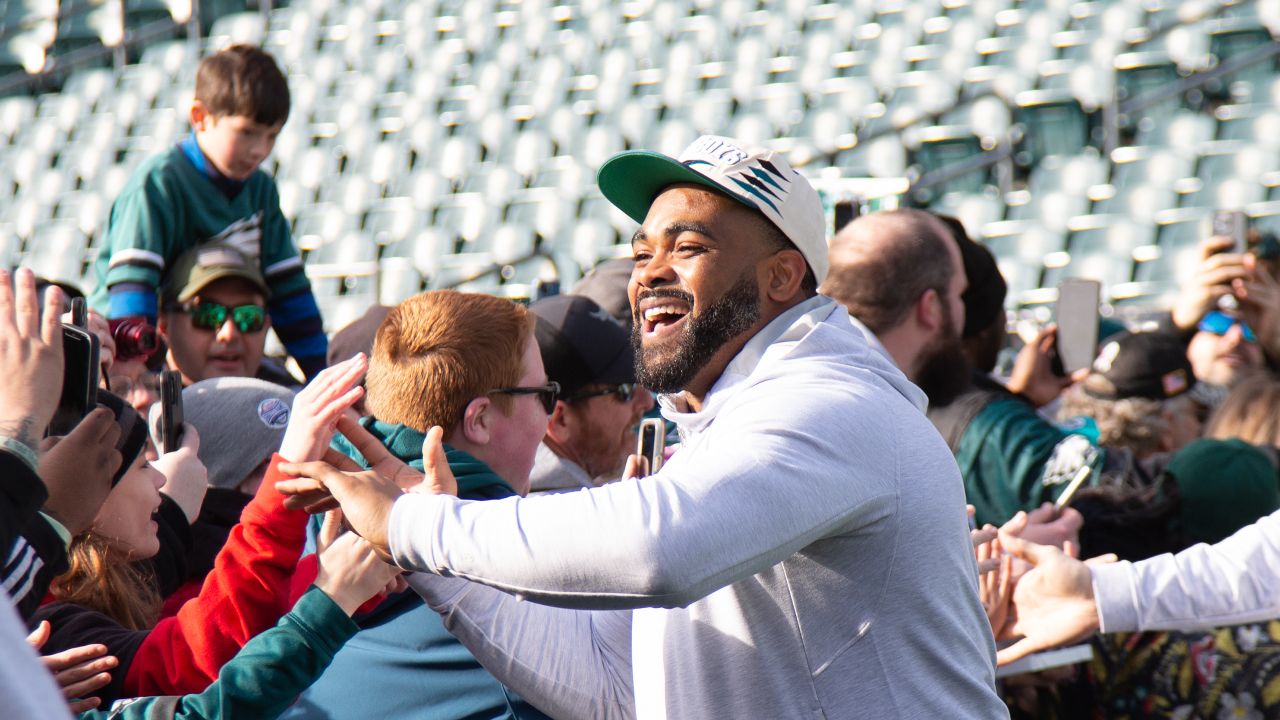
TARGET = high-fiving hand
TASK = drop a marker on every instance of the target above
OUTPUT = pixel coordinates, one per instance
(30, 358)
(1053, 603)
(366, 496)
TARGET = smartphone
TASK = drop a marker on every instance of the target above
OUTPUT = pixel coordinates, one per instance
(1077, 318)
(1234, 225)
(80, 351)
(1076, 483)
(652, 443)
(171, 418)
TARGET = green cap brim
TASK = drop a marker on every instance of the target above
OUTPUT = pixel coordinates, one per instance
(631, 180)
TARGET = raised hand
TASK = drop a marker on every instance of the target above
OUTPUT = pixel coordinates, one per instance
(78, 671)
(1032, 375)
(994, 586)
(1215, 274)
(186, 477)
(30, 358)
(1053, 603)
(1260, 305)
(366, 497)
(319, 407)
(350, 571)
(77, 469)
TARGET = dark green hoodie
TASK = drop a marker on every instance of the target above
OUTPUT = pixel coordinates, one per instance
(403, 664)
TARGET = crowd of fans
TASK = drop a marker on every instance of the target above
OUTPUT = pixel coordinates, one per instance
(448, 520)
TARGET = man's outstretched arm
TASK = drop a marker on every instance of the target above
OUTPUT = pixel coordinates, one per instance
(568, 663)
(1233, 582)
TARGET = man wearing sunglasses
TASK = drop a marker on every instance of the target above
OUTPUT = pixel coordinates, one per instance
(213, 313)
(805, 552)
(592, 429)
(1224, 349)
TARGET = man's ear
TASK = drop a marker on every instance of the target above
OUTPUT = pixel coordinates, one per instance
(786, 270)
(928, 310)
(558, 423)
(162, 323)
(477, 421)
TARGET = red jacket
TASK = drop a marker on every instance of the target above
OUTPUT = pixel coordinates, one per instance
(246, 593)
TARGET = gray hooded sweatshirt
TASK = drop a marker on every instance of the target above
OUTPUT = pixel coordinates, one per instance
(804, 554)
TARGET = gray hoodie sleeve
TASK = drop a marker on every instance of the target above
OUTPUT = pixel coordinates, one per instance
(568, 663)
(1233, 582)
(724, 494)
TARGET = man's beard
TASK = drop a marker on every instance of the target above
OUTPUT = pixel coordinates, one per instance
(944, 373)
(663, 370)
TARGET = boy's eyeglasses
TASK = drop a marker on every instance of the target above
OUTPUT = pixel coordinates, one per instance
(1219, 323)
(546, 394)
(624, 391)
(211, 316)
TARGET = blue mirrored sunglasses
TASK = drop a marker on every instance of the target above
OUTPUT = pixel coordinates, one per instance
(1219, 323)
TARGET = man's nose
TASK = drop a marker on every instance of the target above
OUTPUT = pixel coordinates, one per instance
(656, 272)
(228, 332)
(1234, 335)
(643, 400)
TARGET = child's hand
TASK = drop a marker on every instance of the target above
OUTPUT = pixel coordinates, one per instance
(78, 671)
(318, 407)
(349, 570)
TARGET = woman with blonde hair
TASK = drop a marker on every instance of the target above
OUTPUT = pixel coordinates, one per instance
(1250, 412)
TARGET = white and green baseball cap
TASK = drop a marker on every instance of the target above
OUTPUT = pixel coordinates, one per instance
(754, 176)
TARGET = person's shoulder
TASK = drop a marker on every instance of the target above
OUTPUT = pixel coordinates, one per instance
(160, 172)
(262, 186)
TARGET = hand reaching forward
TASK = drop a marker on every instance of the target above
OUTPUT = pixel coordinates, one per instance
(30, 358)
(350, 571)
(77, 469)
(1032, 375)
(317, 409)
(1053, 603)
(78, 671)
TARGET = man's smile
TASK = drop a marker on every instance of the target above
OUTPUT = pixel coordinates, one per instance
(662, 316)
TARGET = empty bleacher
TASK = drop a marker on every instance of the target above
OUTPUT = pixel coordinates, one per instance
(454, 143)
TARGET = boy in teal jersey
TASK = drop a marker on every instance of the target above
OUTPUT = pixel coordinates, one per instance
(209, 188)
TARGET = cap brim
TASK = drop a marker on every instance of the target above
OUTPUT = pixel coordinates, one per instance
(189, 292)
(631, 180)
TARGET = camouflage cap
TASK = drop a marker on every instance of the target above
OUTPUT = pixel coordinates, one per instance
(204, 263)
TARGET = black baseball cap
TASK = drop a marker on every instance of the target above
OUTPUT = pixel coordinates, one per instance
(1148, 365)
(581, 343)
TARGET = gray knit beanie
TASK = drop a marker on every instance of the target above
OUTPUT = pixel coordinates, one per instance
(241, 422)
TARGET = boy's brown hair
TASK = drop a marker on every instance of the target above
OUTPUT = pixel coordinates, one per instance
(438, 351)
(243, 80)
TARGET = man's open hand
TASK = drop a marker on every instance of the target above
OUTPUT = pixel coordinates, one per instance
(366, 497)
(1053, 603)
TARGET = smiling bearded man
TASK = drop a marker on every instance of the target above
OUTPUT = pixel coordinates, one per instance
(804, 554)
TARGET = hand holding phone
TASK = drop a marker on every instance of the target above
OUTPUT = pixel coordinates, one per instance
(80, 351)
(651, 446)
(1077, 320)
(171, 416)
(1234, 225)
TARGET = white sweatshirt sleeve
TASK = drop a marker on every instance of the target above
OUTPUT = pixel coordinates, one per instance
(1233, 582)
(717, 512)
(568, 663)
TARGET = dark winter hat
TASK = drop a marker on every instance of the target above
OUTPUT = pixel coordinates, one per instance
(133, 431)
(1145, 365)
(582, 343)
(1226, 485)
(984, 300)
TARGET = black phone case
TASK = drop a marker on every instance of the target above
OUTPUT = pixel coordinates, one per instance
(171, 415)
